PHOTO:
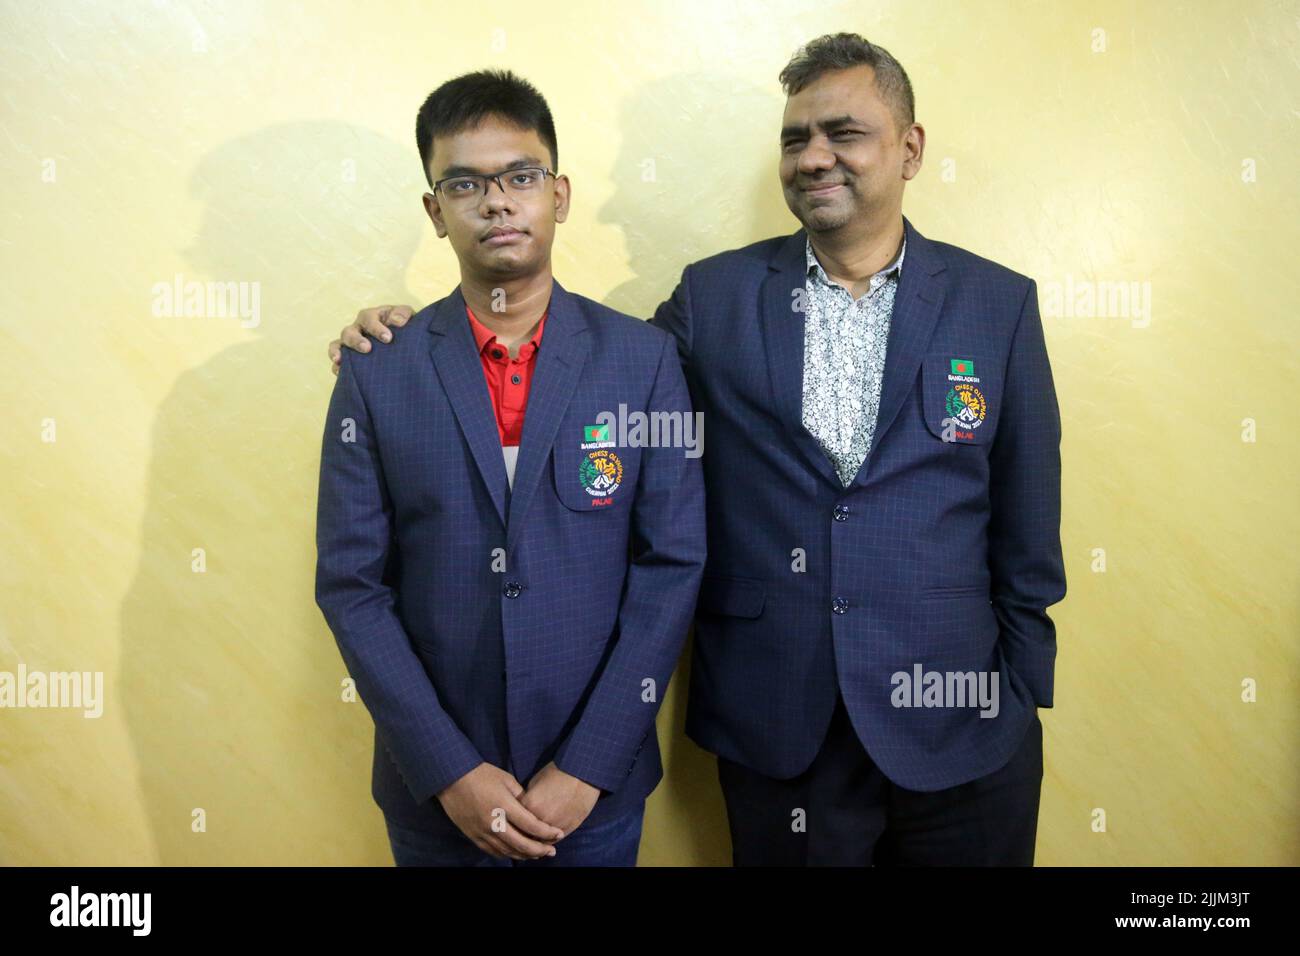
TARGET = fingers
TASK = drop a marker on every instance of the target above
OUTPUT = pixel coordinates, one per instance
(495, 844)
(507, 849)
(372, 322)
(354, 338)
(524, 820)
(399, 315)
(516, 842)
(533, 825)
(536, 827)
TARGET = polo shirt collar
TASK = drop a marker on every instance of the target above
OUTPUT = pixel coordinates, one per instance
(483, 336)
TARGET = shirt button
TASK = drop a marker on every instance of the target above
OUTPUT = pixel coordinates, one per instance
(514, 379)
(513, 589)
(841, 513)
(840, 605)
(496, 353)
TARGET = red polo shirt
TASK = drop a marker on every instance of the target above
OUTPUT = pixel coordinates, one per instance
(508, 379)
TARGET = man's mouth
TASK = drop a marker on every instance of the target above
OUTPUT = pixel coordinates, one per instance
(821, 189)
(503, 236)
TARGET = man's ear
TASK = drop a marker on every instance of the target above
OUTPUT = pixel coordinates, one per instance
(913, 150)
(434, 210)
(562, 194)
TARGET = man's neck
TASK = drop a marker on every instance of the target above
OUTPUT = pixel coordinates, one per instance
(511, 308)
(851, 259)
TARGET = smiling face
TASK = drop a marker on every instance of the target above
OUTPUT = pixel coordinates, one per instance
(496, 234)
(843, 158)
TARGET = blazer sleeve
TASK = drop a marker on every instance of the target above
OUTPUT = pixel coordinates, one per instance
(354, 542)
(1028, 574)
(674, 317)
(663, 581)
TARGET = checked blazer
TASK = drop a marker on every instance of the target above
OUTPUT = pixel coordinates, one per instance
(516, 626)
(943, 552)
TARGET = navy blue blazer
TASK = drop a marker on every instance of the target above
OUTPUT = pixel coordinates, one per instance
(516, 626)
(944, 551)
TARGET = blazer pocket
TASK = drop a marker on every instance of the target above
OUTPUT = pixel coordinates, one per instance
(732, 597)
(596, 480)
(961, 393)
(959, 591)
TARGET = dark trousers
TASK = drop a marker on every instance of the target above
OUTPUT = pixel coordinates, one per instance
(854, 816)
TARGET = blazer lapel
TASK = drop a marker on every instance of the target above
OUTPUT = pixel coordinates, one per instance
(917, 304)
(560, 359)
(783, 338)
(456, 358)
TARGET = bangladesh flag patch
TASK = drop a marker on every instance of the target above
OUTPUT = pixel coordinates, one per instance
(963, 367)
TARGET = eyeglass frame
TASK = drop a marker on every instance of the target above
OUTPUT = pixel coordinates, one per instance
(494, 177)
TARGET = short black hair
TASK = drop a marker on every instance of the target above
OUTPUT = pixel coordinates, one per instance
(464, 102)
(840, 51)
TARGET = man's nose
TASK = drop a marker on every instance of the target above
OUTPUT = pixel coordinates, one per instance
(815, 158)
(495, 197)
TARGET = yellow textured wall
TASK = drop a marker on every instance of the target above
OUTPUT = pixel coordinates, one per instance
(273, 144)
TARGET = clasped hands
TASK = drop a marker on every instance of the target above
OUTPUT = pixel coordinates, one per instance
(504, 819)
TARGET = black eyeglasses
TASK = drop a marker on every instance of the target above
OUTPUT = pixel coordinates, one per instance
(521, 181)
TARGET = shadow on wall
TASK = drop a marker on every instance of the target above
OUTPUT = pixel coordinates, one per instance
(696, 174)
(229, 687)
(232, 687)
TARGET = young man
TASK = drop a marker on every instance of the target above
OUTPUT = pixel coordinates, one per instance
(508, 587)
(872, 643)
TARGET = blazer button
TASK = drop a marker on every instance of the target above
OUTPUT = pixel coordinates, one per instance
(513, 589)
(840, 605)
(841, 512)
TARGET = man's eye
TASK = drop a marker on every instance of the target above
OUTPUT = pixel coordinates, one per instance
(524, 179)
(462, 185)
(792, 144)
(844, 133)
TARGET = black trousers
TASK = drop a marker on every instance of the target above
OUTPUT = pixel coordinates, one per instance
(854, 816)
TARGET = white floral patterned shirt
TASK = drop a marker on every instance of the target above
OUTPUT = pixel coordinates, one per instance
(844, 361)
